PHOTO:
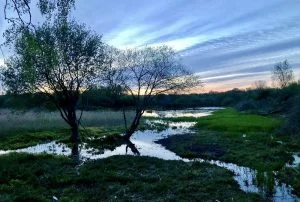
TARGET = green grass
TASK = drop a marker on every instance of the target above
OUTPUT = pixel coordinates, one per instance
(230, 120)
(291, 176)
(21, 129)
(246, 139)
(26, 177)
(256, 150)
(23, 139)
(93, 136)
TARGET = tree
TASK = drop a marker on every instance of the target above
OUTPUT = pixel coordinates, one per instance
(260, 85)
(146, 73)
(282, 74)
(61, 60)
(18, 12)
(19, 17)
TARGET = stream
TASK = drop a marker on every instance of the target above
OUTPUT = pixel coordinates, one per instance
(145, 143)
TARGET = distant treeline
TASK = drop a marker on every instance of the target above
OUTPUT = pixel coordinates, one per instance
(262, 100)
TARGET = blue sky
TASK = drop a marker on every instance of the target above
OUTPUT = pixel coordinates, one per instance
(229, 43)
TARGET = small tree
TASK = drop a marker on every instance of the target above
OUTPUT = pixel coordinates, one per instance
(282, 74)
(60, 60)
(146, 73)
(260, 85)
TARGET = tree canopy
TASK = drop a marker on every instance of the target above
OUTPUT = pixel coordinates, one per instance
(60, 59)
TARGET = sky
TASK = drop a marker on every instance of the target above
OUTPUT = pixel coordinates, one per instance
(228, 43)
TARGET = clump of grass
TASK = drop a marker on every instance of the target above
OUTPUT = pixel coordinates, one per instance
(291, 175)
(256, 150)
(26, 177)
(26, 138)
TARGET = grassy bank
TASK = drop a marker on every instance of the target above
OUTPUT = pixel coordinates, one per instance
(241, 138)
(246, 139)
(121, 178)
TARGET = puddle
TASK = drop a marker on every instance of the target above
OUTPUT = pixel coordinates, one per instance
(144, 142)
(296, 161)
(197, 112)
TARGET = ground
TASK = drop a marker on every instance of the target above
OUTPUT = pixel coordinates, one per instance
(25, 177)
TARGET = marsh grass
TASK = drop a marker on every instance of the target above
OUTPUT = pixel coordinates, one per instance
(246, 139)
(230, 120)
(20, 121)
(25, 177)
(21, 129)
(291, 175)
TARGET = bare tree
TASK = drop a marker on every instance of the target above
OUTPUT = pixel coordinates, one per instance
(60, 60)
(260, 84)
(146, 73)
(282, 74)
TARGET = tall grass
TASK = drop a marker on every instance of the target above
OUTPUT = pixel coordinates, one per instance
(12, 121)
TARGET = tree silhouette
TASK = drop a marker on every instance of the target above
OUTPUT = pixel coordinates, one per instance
(146, 73)
(282, 74)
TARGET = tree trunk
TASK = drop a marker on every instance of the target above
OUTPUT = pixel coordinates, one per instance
(135, 123)
(74, 132)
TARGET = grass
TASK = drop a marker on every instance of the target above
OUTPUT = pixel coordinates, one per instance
(229, 120)
(96, 137)
(23, 129)
(291, 176)
(256, 150)
(19, 121)
(24, 139)
(246, 139)
(25, 177)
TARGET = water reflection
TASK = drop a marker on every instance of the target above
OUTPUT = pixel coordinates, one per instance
(196, 112)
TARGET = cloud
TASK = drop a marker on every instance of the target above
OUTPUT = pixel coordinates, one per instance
(1, 62)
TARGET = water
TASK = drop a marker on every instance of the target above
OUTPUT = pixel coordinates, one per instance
(145, 143)
(197, 112)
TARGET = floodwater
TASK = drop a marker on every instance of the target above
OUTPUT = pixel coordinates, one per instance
(145, 143)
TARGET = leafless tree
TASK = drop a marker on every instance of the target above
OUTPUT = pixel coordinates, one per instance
(283, 74)
(260, 84)
(145, 73)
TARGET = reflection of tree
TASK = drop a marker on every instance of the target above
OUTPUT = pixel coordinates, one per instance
(132, 147)
(75, 154)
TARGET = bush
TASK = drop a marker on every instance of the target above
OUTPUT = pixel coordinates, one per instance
(247, 105)
(292, 124)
